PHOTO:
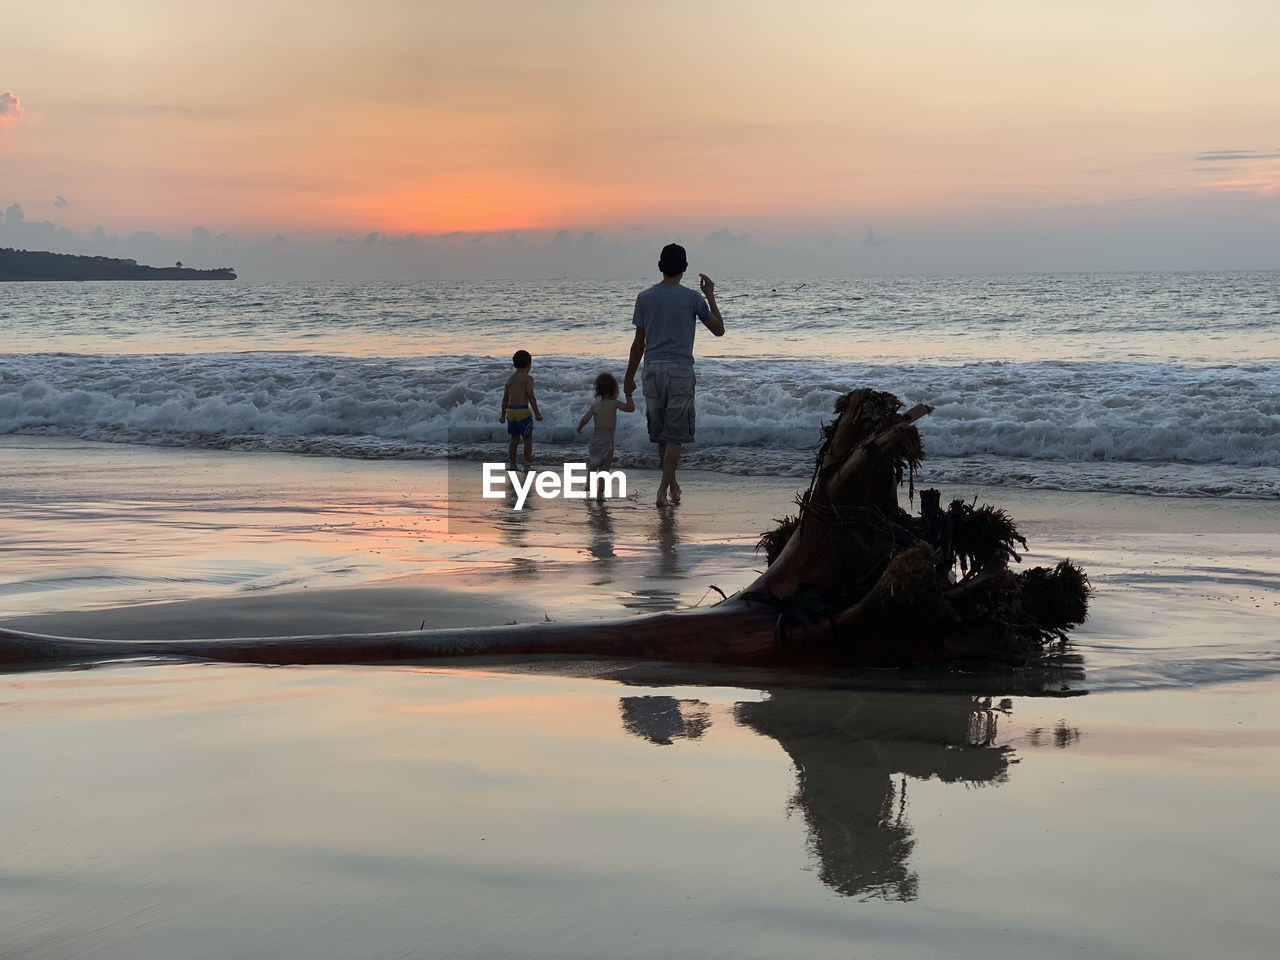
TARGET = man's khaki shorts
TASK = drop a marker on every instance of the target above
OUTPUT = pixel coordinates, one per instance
(668, 401)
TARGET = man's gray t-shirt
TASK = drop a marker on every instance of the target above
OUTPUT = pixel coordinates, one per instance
(669, 314)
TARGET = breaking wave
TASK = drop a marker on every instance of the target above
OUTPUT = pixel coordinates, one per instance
(1138, 427)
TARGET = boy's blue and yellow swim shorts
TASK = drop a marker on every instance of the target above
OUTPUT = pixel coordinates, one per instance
(519, 421)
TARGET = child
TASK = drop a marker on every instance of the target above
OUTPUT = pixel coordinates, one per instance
(605, 410)
(517, 398)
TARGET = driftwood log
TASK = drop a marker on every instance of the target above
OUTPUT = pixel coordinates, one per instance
(853, 580)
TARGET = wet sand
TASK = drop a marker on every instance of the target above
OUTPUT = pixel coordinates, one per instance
(212, 811)
(114, 541)
(1116, 802)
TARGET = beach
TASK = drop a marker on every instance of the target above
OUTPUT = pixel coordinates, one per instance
(281, 459)
(1115, 801)
(179, 543)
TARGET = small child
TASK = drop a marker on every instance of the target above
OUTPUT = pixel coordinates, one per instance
(517, 399)
(605, 410)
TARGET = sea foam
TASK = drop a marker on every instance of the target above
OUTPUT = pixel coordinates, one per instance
(1086, 425)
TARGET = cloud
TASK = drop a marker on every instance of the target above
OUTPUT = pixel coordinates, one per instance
(1241, 171)
(59, 202)
(723, 236)
(110, 110)
(10, 107)
(17, 231)
(1222, 156)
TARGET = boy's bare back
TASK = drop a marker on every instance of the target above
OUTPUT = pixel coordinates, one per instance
(519, 387)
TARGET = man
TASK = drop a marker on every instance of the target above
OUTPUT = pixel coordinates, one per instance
(666, 318)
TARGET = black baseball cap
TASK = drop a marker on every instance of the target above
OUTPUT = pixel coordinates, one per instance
(673, 260)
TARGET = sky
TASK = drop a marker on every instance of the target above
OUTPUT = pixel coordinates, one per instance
(414, 138)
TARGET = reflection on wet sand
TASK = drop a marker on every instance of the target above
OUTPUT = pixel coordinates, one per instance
(536, 539)
(854, 752)
(666, 533)
(847, 750)
(512, 525)
(514, 528)
(663, 720)
(602, 537)
(1059, 735)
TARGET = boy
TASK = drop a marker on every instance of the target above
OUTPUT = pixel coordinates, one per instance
(517, 399)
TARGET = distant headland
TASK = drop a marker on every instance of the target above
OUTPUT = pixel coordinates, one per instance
(40, 265)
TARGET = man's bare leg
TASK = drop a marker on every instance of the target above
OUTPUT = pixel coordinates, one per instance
(670, 454)
(662, 487)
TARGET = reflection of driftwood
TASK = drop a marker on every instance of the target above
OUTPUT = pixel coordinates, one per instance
(852, 580)
(853, 752)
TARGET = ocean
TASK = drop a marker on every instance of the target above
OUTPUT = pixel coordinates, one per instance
(1155, 384)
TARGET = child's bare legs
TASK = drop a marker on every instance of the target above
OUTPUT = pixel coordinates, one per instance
(669, 454)
(511, 451)
(605, 464)
(528, 450)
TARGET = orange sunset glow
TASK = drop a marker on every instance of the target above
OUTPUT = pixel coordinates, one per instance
(776, 122)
